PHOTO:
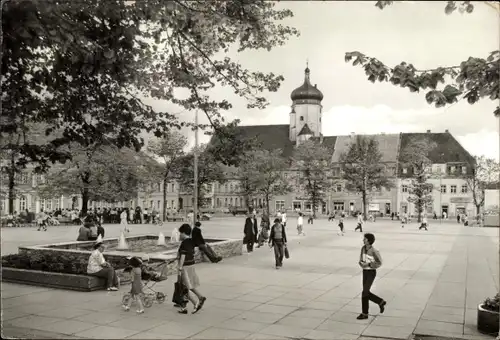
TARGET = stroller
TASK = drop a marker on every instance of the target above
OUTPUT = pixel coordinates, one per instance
(151, 274)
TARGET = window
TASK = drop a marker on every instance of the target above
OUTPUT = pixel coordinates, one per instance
(218, 202)
(464, 170)
(56, 203)
(236, 202)
(404, 188)
(48, 204)
(308, 206)
(336, 172)
(23, 203)
(338, 206)
(172, 204)
(405, 170)
(151, 204)
(230, 188)
(159, 208)
(297, 205)
(453, 189)
(464, 189)
(231, 201)
(225, 202)
(280, 205)
(301, 118)
(443, 189)
(338, 188)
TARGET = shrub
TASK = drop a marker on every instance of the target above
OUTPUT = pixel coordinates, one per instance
(492, 304)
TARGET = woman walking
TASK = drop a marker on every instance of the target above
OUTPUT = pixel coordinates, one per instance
(123, 220)
(277, 240)
(187, 272)
(369, 260)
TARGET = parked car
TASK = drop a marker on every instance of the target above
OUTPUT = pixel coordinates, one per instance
(205, 217)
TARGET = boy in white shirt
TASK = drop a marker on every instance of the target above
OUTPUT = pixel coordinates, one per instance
(360, 223)
(283, 218)
(300, 224)
(424, 223)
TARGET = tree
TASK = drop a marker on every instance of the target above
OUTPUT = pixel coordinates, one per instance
(228, 146)
(209, 171)
(13, 164)
(270, 167)
(415, 157)
(484, 172)
(474, 79)
(170, 149)
(312, 161)
(362, 168)
(248, 177)
(85, 66)
(98, 173)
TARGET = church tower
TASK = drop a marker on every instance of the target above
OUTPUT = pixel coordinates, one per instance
(305, 117)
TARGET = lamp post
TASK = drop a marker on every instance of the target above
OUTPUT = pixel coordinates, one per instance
(195, 170)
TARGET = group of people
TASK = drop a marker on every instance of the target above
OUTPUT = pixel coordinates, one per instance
(189, 239)
(275, 235)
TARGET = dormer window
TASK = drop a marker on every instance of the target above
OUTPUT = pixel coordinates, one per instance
(464, 170)
(405, 171)
(301, 118)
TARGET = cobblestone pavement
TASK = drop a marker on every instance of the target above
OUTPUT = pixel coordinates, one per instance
(432, 281)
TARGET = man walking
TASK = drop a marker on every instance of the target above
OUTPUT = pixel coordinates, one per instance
(199, 242)
(369, 260)
(360, 223)
(277, 240)
(424, 223)
(250, 232)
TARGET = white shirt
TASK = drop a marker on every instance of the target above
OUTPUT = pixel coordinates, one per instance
(360, 218)
(96, 260)
(283, 217)
(300, 220)
(175, 237)
(123, 215)
(278, 215)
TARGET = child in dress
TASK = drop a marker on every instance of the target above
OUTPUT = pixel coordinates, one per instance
(341, 225)
(300, 225)
(136, 289)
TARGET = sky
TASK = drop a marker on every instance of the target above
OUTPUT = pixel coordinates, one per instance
(416, 32)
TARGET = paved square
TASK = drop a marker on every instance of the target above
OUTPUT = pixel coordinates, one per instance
(432, 281)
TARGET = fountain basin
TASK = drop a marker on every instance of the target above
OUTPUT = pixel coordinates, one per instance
(79, 252)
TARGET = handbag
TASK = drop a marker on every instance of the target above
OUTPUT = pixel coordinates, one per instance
(287, 254)
(180, 296)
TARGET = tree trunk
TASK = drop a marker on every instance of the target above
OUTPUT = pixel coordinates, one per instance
(12, 192)
(478, 209)
(165, 187)
(267, 206)
(85, 200)
(420, 211)
(364, 204)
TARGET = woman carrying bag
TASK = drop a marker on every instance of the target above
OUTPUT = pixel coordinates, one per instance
(277, 240)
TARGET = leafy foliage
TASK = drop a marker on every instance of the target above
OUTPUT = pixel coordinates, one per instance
(492, 304)
(362, 168)
(83, 66)
(170, 149)
(228, 146)
(98, 173)
(474, 79)
(209, 171)
(485, 171)
(415, 157)
(312, 161)
(269, 168)
(248, 177)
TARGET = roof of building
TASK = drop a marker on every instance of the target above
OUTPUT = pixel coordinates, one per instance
(271, 137)
(306, 90)
(305, 130)
(447, 150)
(388, 145)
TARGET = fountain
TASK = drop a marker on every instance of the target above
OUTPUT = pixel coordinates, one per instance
(161, 239)
(122, 244)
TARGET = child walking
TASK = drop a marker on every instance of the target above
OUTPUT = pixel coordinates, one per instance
(341, 225)
(136, 289)
(300, 225)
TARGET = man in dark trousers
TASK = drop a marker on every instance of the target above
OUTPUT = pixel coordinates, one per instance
(250, 231)
(277, 240)
(199, 242)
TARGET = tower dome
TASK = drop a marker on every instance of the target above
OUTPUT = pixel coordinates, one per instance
(307, 90)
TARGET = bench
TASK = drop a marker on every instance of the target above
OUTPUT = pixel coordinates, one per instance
(175, 218)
